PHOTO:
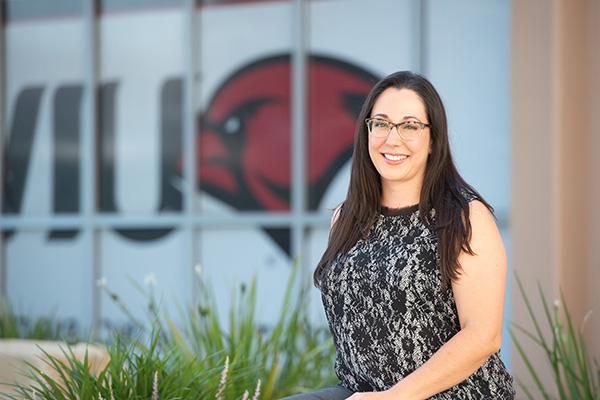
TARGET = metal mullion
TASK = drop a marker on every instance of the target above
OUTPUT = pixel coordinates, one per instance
(88, 182)
(189, 139)
(167, 219)
(420, 44)
(298, 149)
(111, 221)
(3, 138)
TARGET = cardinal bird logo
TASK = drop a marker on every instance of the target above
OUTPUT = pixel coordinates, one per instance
(244, 154)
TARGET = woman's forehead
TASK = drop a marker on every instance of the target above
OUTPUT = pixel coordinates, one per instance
(398, 104)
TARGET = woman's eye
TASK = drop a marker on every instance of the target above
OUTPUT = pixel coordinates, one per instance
(380, 124)
(411, 126)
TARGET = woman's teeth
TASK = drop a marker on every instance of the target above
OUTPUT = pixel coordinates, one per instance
(395, 158)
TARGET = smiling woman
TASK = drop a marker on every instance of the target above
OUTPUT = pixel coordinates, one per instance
(413, 277)
(409, 148)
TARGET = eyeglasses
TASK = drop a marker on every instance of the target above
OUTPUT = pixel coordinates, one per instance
(408, 130)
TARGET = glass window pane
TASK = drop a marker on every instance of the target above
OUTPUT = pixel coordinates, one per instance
(316, 243)
(43, 107)
(132, 260)
(231, 257)
(481, 28)
(245, 115)
(342, 69)
(48, 276)
(141, 107)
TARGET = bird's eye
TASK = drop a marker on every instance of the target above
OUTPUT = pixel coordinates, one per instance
(232, 125)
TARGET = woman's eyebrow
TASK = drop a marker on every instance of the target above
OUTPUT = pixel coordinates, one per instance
(385, 116)
(380, 115)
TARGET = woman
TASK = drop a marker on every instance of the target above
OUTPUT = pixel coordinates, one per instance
(413, 277)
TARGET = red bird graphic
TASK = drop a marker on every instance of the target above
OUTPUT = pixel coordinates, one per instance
(245, 133)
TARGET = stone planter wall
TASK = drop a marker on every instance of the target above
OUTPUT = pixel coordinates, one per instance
(15, 354)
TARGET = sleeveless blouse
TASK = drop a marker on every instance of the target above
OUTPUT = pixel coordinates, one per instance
(388, 314)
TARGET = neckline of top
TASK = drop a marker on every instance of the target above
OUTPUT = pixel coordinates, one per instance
(390, 212)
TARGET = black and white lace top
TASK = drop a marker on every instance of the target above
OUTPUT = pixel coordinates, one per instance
(388, 314)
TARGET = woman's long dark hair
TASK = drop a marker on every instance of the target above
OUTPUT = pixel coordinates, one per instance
(443, 188)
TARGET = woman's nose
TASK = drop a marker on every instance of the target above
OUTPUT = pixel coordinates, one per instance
(393, 136)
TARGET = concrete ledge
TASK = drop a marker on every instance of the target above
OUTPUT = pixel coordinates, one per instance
(15, 354)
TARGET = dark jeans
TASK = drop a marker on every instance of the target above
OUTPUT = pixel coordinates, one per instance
(337, 392)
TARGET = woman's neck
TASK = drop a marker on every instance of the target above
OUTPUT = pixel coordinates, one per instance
(400, 194)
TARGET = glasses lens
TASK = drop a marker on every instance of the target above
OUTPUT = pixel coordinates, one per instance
(379, 127)
(410, 130)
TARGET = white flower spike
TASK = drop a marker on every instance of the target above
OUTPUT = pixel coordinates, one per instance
(223, 382)
(155, 386)
(150, 280)
(198, 270)
(557, 304)
(101, 283)
(256, 391)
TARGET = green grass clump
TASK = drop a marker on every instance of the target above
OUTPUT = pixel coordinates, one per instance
(290, 357)
(14, 326)
(576, 375)
(201, 359)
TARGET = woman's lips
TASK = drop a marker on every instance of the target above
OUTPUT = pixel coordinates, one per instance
(394, 159)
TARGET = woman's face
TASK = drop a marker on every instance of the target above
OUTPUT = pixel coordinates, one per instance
(398, 105)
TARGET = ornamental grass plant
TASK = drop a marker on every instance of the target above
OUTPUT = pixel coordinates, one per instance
(576, 373)
(15, 326)
(134, 371)
(200, 358)
(290, 357)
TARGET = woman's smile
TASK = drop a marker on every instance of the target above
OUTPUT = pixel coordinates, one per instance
(394, 159)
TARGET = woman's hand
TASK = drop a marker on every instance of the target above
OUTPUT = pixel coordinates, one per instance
(384, 395)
